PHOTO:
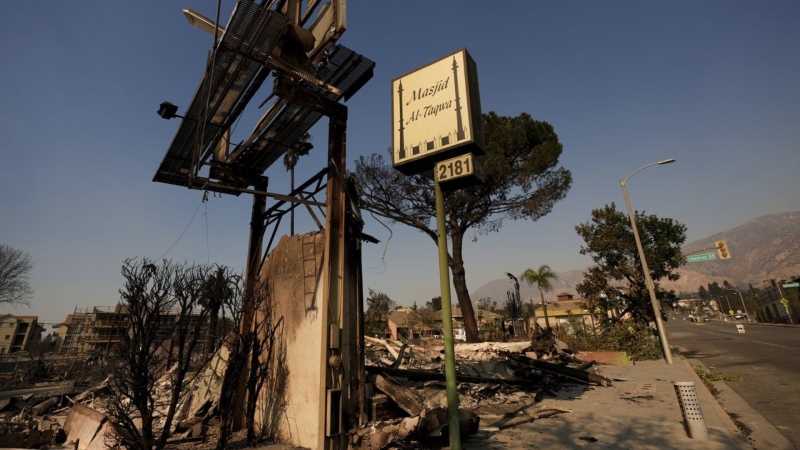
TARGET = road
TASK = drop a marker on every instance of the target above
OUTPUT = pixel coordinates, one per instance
(766, 357)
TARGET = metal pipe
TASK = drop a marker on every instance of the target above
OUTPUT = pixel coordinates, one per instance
(730, 309)
(447, 323)
(744, 307)
(785, 305)
(662, 335)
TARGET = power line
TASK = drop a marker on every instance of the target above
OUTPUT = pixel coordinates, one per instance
(187, 227)
(208, 248)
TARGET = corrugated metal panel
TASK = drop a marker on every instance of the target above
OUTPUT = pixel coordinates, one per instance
(231, 81)
(346, 70)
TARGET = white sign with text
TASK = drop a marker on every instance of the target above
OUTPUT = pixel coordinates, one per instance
(435, 112)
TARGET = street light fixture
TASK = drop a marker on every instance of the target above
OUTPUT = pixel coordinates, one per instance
(662, 335)
(747, 314)
(730, 308)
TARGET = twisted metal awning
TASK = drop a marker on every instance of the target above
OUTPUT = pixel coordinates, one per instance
(345, 69)
(232, 77)
(240, 65)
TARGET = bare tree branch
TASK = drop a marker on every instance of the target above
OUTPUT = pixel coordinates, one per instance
(15, 266)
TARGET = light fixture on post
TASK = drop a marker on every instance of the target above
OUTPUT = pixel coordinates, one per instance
(168, 111)
(662, 335)
(746, 314)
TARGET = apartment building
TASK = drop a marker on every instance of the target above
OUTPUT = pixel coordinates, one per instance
(99, 329)
(18, 333)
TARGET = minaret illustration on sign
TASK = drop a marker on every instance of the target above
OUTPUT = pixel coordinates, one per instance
(460, 125)
(402, 154)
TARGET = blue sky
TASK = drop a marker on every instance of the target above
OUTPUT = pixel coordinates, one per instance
(713, 84)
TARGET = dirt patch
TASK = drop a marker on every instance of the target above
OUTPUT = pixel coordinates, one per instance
(711, 388)
(742, 427)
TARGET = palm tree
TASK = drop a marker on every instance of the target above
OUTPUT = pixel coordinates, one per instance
(542, 278)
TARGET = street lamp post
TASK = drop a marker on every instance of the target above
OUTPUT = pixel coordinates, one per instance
(744, 307)
(784, 303)
(721, 311)
(730, 309)
(662, 335)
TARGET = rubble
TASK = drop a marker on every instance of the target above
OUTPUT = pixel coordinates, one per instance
(408, 379)
(500, 385)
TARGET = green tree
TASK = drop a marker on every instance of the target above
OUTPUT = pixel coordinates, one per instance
(714, 289)
(485, 304)
(424, 321)
(542, 278)
(379, 305)
(435, 304)
(522, 180)
(618, 270)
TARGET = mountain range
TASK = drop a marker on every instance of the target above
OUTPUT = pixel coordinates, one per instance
(763, 248)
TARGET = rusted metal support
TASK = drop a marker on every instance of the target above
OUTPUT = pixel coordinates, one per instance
(206, 185)
(356, 406)
(335, 358)
(251, 279)
(341, 354)
(284, 88)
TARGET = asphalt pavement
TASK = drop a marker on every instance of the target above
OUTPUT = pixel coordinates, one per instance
(766, 357)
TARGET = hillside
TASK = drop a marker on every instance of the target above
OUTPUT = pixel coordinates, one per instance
(766, 247)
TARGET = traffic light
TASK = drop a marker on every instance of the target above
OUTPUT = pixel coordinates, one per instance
(722, 250)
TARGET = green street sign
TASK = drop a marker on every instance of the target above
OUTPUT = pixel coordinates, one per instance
(701, 257)
(791, 285)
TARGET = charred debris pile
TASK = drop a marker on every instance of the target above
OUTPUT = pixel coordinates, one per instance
(407, 393)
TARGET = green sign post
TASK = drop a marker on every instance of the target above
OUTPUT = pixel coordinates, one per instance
(701, 257)
(791, 285)
(446, 136)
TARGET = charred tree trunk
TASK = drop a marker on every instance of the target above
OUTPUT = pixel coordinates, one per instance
(252, 388)
(460, 285)
(237, 362)
(213, 326)
(148, 437)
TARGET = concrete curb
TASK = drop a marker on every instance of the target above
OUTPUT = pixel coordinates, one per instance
(741, 440)
(763, 434)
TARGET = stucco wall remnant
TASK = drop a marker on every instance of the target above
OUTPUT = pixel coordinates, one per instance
(289, 403)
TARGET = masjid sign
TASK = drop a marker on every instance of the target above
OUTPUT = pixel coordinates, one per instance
(436, 114)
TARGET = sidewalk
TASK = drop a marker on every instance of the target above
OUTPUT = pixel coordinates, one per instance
(639, 411)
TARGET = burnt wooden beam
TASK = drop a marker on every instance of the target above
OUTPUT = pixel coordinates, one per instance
(564, 371)
(424, 375)
(405, 398)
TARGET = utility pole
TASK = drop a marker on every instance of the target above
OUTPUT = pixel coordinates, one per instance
(784, 301)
